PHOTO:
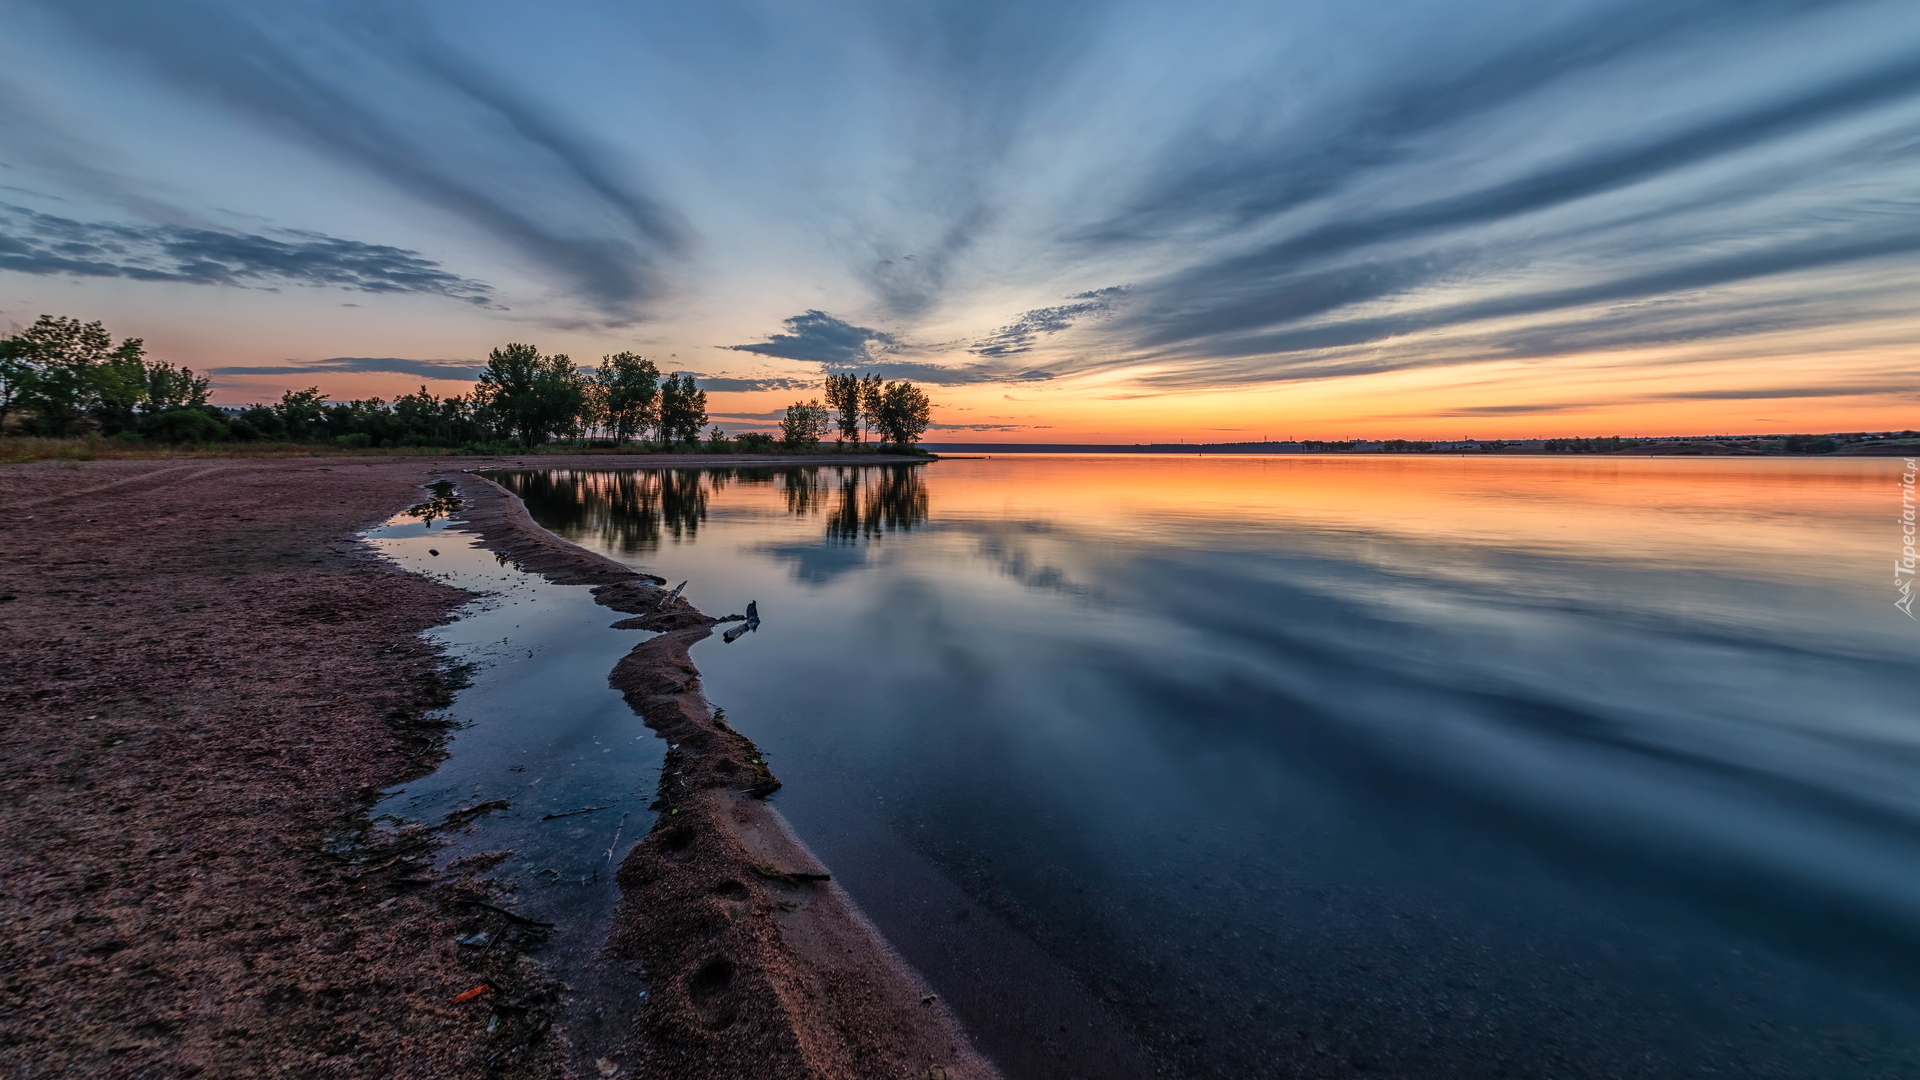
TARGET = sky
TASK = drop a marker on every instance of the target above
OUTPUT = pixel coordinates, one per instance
(1070, 220)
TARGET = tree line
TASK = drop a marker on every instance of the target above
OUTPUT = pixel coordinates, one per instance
(61, 378)
(65, 377)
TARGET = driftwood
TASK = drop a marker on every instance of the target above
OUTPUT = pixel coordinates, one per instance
(571, 813)
(748, 627)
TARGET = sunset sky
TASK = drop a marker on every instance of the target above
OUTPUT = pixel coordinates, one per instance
(1074, 220)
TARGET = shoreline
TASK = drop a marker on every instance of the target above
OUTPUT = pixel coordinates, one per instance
(759, 965)
(212, 679)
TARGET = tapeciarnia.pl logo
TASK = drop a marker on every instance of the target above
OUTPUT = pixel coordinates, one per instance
(1903, 567)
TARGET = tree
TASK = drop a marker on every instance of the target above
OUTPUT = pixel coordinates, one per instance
(67, 373)
(507, 385)
(302, 414)
(65, 365)
(118, 385)
(869, 395)
(532, 396)
(14, 374)
(804, 425)
(901, 412)
(843, 397)
(170, 387)
(560, 399)
(683, 410)
(629, 392)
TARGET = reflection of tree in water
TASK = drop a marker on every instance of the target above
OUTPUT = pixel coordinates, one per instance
(627, 511)
(876, 500)
(630, 511)
(443, 504)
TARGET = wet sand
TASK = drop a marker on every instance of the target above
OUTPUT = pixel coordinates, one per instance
(209, 680)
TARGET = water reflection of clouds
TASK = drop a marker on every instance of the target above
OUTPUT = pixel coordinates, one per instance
(813, 562)
(1505, 734)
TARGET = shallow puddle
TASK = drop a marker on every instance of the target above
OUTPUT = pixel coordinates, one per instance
(550, 768)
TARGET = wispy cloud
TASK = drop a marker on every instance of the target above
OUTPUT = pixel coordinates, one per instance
(1294, 192)
(1906, 389)
(727, 384)
(469, 141)
(389, 365)
(1019, 335)
(36, 243)
(838, 345)
(1511, 410)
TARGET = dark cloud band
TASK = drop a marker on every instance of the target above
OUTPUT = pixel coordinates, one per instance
(388, 365)
(36, 243)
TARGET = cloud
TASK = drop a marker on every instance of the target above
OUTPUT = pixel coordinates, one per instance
(467, 142)
(989, 427)
(1727, 394)
(839, 346)
(426, 369)
(1394, 120)
(970, 78)
(1734, 394)
(1482, 201)
(1019, 335)
(1867, 241)
(1279, 281)
(37, 243)
(727, 384)
(750, 417)
(1510, 410)
(943, 375)
(820, 338)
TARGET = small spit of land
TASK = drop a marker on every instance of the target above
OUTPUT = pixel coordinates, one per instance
(209, 680)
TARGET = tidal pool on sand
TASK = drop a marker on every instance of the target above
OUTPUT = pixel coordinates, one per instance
(1423, 767)
(539, 732)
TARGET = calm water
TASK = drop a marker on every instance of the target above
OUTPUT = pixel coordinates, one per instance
(1333, 767)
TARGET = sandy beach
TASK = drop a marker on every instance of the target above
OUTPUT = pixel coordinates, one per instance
(214, 678)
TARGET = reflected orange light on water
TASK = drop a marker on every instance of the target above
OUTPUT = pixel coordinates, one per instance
(1807, 517)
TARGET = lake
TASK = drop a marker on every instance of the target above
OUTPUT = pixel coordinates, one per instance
(1333, 766)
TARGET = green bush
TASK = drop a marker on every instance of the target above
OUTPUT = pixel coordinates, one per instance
(188, 425)
(358, 440)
